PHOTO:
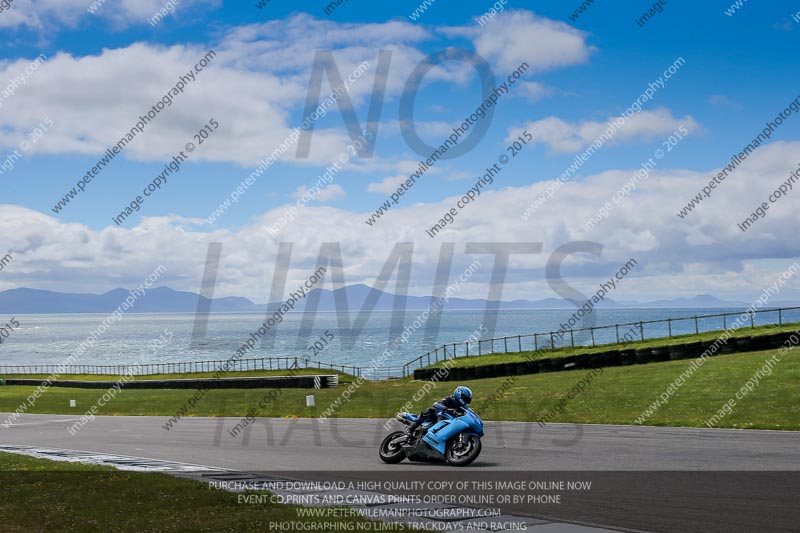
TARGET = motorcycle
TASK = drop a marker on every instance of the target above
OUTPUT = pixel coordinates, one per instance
(454, 438)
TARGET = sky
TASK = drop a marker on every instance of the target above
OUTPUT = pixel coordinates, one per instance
(704, 81)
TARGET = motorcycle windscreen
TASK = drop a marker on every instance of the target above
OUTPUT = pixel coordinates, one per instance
(474, 422)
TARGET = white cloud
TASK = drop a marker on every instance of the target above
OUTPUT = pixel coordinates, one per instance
(333, 191)
(514, 37)
(93, 100)
(703, 253)
(387, 185)
(535, 91)
(41, 14)
(562, 136)
(724, 101)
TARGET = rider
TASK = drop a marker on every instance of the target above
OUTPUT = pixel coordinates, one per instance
(460, 399)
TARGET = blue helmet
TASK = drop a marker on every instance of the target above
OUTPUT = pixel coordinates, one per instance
(463, 395)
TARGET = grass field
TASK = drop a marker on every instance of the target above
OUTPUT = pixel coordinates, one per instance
(41, 495)
(617, 396)
(513, 357)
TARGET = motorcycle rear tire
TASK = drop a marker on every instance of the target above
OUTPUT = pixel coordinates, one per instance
(391, 455)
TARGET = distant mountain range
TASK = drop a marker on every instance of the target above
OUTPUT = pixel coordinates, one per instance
(166, 300)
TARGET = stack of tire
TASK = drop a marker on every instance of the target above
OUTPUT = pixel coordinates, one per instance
(610, 358)
(627, 356)
(644, 356)
(686, 351)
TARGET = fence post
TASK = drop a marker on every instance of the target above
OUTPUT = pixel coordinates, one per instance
(617, 328)
(780, 317)
(752, 321)
(536, 342)
(571, 338)
(696, 326)
(591, 330)
(519, 343)
(479, 347)
(552, 341)
(669, 324)
(505, 344)
(467, 348)
(724, 321)
(641, 329)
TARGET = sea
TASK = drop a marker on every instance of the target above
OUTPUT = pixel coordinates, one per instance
(340, 338)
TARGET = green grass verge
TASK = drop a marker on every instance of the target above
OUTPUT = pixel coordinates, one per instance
(617, 396)
(514, 357)
(42, 495)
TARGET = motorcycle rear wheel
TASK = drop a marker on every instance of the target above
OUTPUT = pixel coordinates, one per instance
(462, 454)
(390, 452)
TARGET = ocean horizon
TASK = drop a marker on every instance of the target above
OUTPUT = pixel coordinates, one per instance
(49, 339)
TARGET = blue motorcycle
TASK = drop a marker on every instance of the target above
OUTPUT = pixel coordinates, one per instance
(455, 438)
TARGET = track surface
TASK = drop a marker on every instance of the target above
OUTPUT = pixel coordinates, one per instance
(644, 478)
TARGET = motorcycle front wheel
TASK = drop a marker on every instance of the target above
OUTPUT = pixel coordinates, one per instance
(463, 449)
(392, 452)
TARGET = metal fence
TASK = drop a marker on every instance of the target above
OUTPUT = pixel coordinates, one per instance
(183, 367)
(384, 372)
(604, 335)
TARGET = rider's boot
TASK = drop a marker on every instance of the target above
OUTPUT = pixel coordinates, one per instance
(413, 428)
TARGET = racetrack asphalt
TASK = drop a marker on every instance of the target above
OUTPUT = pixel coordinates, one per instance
(643, 478)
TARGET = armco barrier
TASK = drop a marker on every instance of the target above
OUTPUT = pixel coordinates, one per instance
(628, 356)
(267, 382)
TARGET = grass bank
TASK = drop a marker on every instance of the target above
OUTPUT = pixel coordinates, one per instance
(514, 357)
(617, 396)
(42, 495)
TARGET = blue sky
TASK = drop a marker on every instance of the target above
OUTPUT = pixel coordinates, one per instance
(738, 72)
